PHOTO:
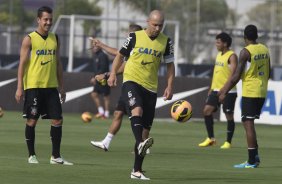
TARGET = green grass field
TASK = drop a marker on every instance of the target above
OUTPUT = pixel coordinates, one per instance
(175, 156)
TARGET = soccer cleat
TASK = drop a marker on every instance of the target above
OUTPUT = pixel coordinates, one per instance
(246, 165)
(138, 175)
(59, 160)
(98, 116)
(226, 145)
(143, 146)
(99, 144)
(32, 159)
(208, 142)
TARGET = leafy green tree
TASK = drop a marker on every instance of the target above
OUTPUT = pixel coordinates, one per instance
(13, 13)
(213, 13)
(81, 7)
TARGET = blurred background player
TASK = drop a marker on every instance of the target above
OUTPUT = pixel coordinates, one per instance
(120, 108)
(41, 76)
(254, 70)
(225, 65)
(101, 90)
(145, 50)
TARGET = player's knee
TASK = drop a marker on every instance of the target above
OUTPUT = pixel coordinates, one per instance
(57, 122)
(118, 115)
(31, 122)
(137, 111)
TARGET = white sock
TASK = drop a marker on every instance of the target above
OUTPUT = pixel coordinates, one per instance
(101, 110)
(107, 140)
(107, 114)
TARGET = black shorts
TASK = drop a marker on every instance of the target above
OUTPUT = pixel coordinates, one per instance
(228, 104)
(44, 102)
(251, 108)
(121, 105)
(134, 95)
(102, 89)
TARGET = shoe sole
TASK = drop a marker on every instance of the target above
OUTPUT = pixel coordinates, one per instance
(210, 144)
(96, 146)
(60, 163)
(148, 144)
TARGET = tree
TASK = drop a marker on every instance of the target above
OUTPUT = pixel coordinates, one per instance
(13, 13)
(82, 7)
(213, 13)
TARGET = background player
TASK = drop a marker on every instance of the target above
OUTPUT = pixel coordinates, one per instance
(146, 48)
(40, 73)
(120, 108)
(254, 69)
(225, 65)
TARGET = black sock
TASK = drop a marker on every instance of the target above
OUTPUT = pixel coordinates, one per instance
(230, 130)
(252, 155)
(137, 128)
(56, 137)
(209, 125)
(30, 139)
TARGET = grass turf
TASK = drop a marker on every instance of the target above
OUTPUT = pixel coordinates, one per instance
(175, 156)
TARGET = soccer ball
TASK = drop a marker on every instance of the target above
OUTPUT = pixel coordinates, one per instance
(86, 117)
(1, 112)
(181, 111)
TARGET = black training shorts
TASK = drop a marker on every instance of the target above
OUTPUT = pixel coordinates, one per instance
(44, 102)
(228, 104)
(251, 108)
(134, 95)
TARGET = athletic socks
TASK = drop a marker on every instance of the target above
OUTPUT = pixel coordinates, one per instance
(209, 126)
(137, 128)
(252, 155)
(56, 137)
(101, 110)
(230, 130)
(30, 139)
(107, 140)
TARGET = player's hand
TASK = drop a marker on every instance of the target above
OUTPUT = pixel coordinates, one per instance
(62, 95)
(99, 77)
(95, 42)
(18, 95)
(221, 95)
(93, 80)
(112, 81)
(168, 94)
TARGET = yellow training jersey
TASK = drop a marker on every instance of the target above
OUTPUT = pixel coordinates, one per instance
(143, 63)
(256, 74)
(221, 71)
(41, 69)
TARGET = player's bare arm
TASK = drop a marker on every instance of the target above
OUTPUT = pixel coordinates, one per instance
(112, 81)
(168, 93)
(60, 75)
(103, 46)
(233, 63)
(24, 55)
(243, 59)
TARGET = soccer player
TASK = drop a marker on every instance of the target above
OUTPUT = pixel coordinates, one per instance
(40, 74)
(120, 108)
(146, 48)
(225, 65)
(254, 69)
(100, 65)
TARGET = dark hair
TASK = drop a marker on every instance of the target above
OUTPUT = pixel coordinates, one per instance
(251, 32)
(44, 9)
(224, 37)
(135, 27)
